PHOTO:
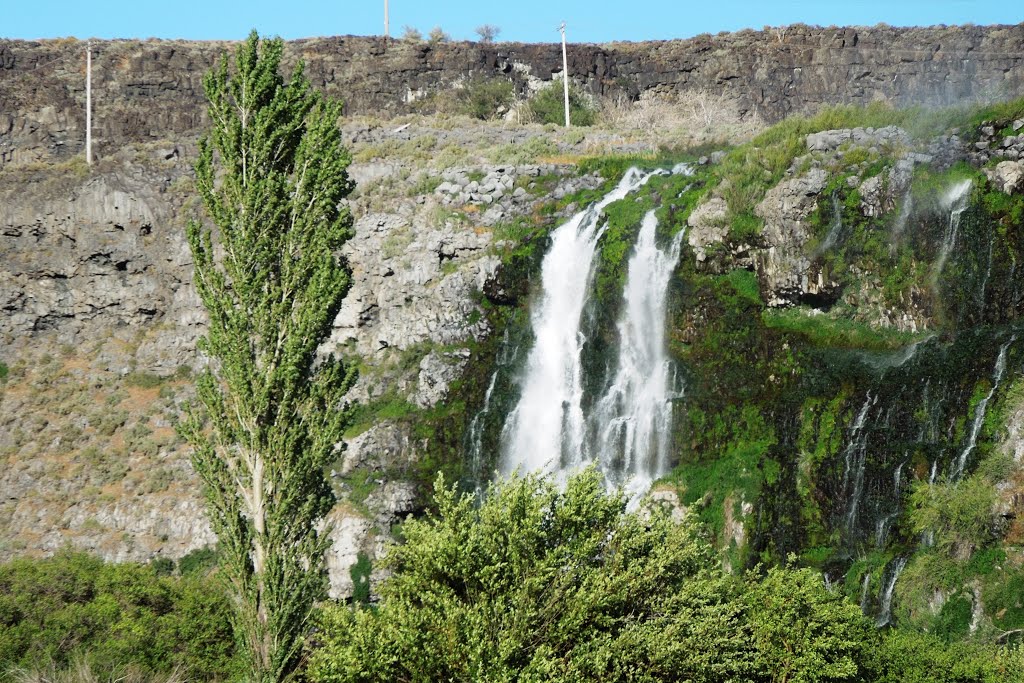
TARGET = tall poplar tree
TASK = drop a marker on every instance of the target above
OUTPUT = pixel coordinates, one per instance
(272, 176)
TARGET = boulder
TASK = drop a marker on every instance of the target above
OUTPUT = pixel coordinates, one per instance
(1007, 176)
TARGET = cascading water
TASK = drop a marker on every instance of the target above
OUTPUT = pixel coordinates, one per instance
(865, 595)
(631, 421)
(979, 412)
(836, 227)
(626, 429)
(855, 458)
(476, 433)
(545, 431)
(955, 201)
(905, 210)
(889, 579)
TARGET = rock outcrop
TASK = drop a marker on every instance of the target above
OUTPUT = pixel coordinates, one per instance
(99, 330)
(149, 91)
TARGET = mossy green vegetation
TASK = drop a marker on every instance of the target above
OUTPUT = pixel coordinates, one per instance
(820, 329)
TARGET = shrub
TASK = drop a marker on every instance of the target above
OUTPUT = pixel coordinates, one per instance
(437, 35)
(548, 105)
(143, 380)
(910, 657)
(534, 584)
(486, 98)
(959, 514)
(74, 607)
(803, 632)
(412, 34)
(487, 32)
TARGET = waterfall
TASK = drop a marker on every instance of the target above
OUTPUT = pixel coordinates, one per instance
(865, 595)
(905, 210)
(988, 274)
(955, 201)
(892, 573)
(545, 431)
(884, 523)
(855, 460)
(476, 435)
(979, 412)
(633, 418)
(836, 228)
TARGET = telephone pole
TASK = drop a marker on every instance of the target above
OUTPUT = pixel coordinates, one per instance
(88, 103)
(386, 35)
(565, 73)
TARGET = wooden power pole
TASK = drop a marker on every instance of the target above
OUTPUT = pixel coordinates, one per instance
(565, 74)
(386, 34)
(88, 103)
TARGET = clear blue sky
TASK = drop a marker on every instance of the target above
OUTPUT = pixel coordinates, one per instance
(525, 20)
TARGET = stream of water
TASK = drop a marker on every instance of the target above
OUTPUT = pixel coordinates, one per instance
(626, 431)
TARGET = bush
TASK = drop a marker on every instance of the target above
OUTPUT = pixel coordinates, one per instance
(909, 657)
(487, 32)
(960, 514)
(803, 632)
(486, 98)
(534, 584)
(437, 35)
(74, 608)
(548, 105)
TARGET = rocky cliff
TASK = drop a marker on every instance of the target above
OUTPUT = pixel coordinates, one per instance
(99, 326)
(150, 91)
(810, 273)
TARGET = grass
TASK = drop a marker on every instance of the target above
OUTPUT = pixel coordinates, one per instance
(729, 464)
(750, 170)
(841, 333)
(389, 407)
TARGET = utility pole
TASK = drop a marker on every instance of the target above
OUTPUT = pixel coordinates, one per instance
(386, 35)
(565, 73)
(88, 103)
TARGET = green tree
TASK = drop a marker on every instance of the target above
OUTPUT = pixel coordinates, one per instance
(115, 617)
(802, 632)
(958, 513)
(272, 176)
(533, 584)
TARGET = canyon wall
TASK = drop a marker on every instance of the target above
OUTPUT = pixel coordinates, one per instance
(152, 90)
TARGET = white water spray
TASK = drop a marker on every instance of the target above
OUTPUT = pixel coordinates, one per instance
(888, 588)
(865, 595)
(836, 227)
(633, 418)
(979, 412)
(905, 210)
(955, 201)
(855, 460)
(547, 426)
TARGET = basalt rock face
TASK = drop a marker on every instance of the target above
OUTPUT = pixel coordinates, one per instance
(99, 323)
(147, 91)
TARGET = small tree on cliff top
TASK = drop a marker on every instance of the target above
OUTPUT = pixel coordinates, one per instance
(272, 174)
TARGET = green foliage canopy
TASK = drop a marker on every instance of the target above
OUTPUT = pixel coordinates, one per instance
(534, 584)
(115, 615)
(272, 176)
